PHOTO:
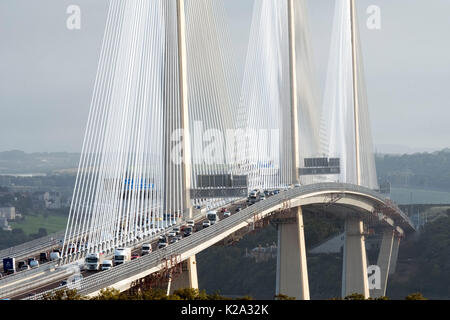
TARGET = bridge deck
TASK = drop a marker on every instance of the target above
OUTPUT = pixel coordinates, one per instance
(122, 275)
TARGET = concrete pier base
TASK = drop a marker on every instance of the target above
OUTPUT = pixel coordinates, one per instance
(292, 272)
(384, 262)
(187, 279)
(394, 256)
(354, 271)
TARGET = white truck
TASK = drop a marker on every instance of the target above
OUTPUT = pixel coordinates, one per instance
(121, 255)
(213, 217)
(93, 261)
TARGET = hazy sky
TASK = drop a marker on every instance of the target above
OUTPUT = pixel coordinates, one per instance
(47, 72)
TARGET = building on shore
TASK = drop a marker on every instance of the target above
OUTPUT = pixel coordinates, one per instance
(8, 213)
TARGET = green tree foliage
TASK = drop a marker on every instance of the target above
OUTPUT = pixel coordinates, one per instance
(416, 296)
(67, 294)
(431, 170)
(160, 294)
(108, 294)
(283, 297)
(355, 296)
(190, 294)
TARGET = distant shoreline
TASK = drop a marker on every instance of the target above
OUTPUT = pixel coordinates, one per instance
(23, 175)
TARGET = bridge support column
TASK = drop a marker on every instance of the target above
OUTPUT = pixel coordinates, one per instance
(384, 262)
(354, 271)
(187, 279)
(394, 256)
(292, 272)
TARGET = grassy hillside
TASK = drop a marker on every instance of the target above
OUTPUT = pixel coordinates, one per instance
(51, 221)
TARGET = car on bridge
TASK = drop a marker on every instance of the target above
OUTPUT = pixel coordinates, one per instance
(55, 255)
(206, 224)
(146, 249)
(75, 279)
(226, 213)
(162, 242)
(23, 266)
(190, 223)
(43, 257)
(162, 245)
(188, 231)
(106, 265)
(172, 234)
(33, 263)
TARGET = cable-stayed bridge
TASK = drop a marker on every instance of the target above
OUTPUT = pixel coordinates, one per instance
(171, 129)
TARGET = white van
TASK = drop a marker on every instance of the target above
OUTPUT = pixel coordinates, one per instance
(106, 265)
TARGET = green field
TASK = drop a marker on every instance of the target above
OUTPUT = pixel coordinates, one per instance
(52, 223)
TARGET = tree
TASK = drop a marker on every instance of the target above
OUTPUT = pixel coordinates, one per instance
(283, 297)
(67, 294)
(355, 296)
(416, 296)
(190, 294)
(108, 294)
(154, 294)
(382, 298)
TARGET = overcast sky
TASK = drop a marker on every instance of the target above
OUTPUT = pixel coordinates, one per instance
(47, 72)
